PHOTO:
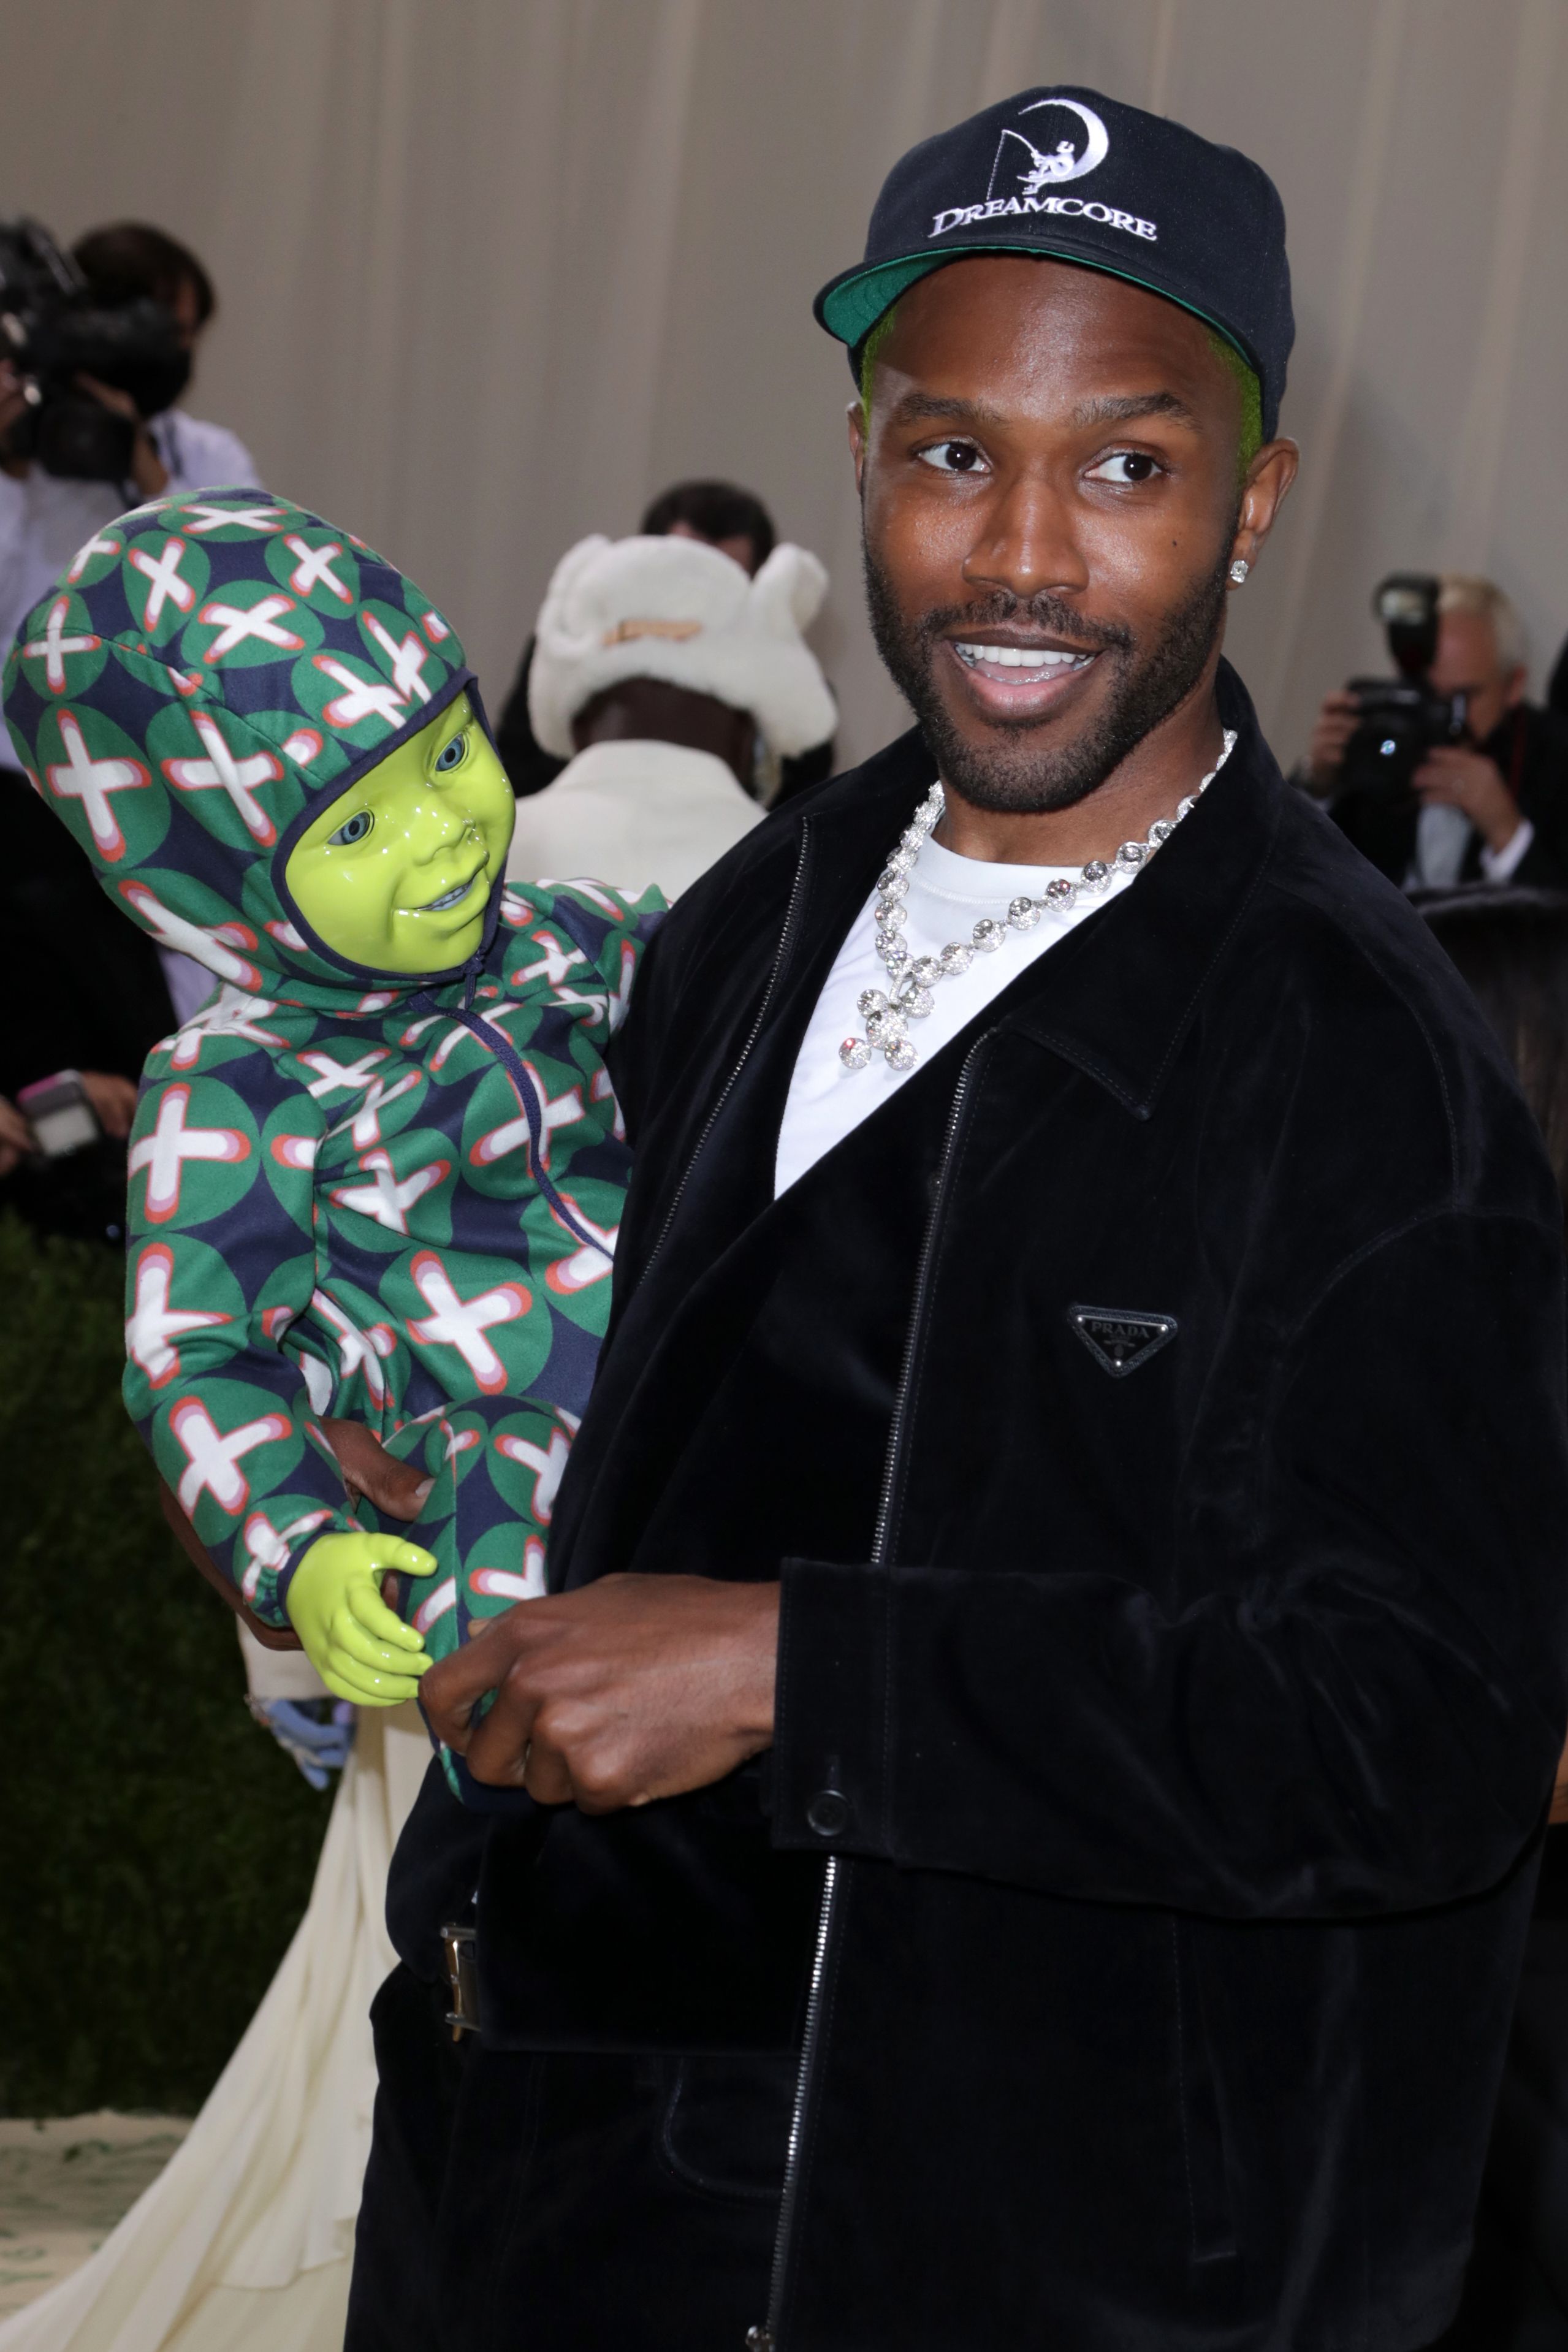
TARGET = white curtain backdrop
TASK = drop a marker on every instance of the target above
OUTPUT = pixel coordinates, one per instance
(495, 270)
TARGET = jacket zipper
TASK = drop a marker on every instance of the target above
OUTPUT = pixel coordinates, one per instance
(797, 891)
(765, 2339)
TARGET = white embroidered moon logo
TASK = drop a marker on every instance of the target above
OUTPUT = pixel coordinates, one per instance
(1052, 170)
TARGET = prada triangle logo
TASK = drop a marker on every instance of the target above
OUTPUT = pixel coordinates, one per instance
(1120, 1338)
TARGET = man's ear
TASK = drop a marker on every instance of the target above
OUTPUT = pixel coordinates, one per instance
(1265, 491)
(1513, 690)
(856, 417)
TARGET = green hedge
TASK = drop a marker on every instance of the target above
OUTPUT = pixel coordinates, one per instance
(155, 1846)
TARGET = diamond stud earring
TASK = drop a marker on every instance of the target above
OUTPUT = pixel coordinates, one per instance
(1239, 568)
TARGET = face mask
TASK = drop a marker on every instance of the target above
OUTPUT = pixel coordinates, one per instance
(396, 874)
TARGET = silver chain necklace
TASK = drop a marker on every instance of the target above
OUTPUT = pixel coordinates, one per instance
(888, 1013)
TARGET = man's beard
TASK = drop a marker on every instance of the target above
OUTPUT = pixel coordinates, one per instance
(1009, 773)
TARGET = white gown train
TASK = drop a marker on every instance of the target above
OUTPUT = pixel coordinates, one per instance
(244, 2241)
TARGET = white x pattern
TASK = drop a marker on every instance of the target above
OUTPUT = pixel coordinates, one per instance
(83, 778)
(239, 777)
(154, 1325)
(52, 647)
(235, 625)
(361, 698)
(407, 660)
(214, 1459)
(386, 1198)
(166, 586)
(314, 569)
(462, 1323)
(164, 1152)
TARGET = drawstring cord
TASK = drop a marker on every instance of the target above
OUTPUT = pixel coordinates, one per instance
(494, 1039)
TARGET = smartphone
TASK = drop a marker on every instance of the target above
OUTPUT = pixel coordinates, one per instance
(59, 1114)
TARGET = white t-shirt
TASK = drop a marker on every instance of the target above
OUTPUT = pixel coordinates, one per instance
(947, 896)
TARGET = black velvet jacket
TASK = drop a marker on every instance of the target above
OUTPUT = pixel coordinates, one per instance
(1174, 1715)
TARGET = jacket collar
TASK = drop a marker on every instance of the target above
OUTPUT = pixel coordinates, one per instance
(1115, 997)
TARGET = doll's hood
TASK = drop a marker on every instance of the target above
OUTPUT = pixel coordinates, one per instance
(204, 676)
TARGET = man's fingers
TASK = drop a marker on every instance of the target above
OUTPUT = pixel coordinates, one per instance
(397, 1488)
(478, 1667)
(498, 1746)
(462, 1680)
(545, 1775)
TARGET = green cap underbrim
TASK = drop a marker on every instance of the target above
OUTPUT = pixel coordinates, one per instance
(852, 305)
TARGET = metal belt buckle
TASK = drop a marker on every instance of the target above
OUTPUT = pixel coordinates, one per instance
(462, 1978)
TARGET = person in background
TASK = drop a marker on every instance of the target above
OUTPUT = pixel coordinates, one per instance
(1557, 686)
(43, 519)
(103, 1004)
(662, 668)
(1494, 808)
(739, 525)
(1512, 948)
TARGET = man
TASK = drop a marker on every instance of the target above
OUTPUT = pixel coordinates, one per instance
(662, 666)
(718, 514)
(43, 520)
(1492, 808)
(107, 1003)
(1037, 1749)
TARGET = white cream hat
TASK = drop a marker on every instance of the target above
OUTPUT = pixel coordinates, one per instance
(676, 609)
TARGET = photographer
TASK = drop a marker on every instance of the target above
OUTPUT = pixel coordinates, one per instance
(98, 994)
(44, 519)
(1492, 806)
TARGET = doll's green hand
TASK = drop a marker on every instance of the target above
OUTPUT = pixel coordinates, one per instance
(359, 1648)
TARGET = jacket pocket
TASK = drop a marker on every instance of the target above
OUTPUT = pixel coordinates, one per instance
(725, 2128)
(1210, 2211)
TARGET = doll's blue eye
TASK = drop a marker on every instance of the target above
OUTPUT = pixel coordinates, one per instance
(455, 752)
(358, 825)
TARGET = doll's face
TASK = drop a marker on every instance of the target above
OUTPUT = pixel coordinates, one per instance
(396, 874)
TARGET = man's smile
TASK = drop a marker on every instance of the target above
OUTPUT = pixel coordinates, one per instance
(1013, 676)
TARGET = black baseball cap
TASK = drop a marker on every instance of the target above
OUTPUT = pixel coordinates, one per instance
(1068, 172)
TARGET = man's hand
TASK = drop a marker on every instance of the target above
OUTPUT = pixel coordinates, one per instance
(113, 1100)
(633, 1688)
(397, 1489)
(17, 1139)
(148, 470)
(13, 408)
(360, 1651)
(1337, 719)
(1463, 779)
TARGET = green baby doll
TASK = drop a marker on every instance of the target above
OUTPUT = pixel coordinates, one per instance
(379, 1175)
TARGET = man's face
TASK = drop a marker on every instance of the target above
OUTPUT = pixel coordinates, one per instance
(187, 310)
(1051, 498)
(1467, 663)
(396, 874)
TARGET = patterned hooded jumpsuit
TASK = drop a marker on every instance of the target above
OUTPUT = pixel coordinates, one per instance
(351, 1193)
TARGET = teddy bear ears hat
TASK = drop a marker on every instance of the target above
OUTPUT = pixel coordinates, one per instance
(678, 610)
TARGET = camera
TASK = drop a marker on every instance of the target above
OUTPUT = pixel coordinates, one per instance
(52, 331)
(1401, 718)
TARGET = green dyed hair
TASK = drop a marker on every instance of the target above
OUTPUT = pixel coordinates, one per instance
(1251, 400)
(1245, 377)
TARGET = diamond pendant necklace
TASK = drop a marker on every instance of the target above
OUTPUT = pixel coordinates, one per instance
(910, 980)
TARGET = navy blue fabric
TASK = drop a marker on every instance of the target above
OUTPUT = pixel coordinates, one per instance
(1065, 171)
